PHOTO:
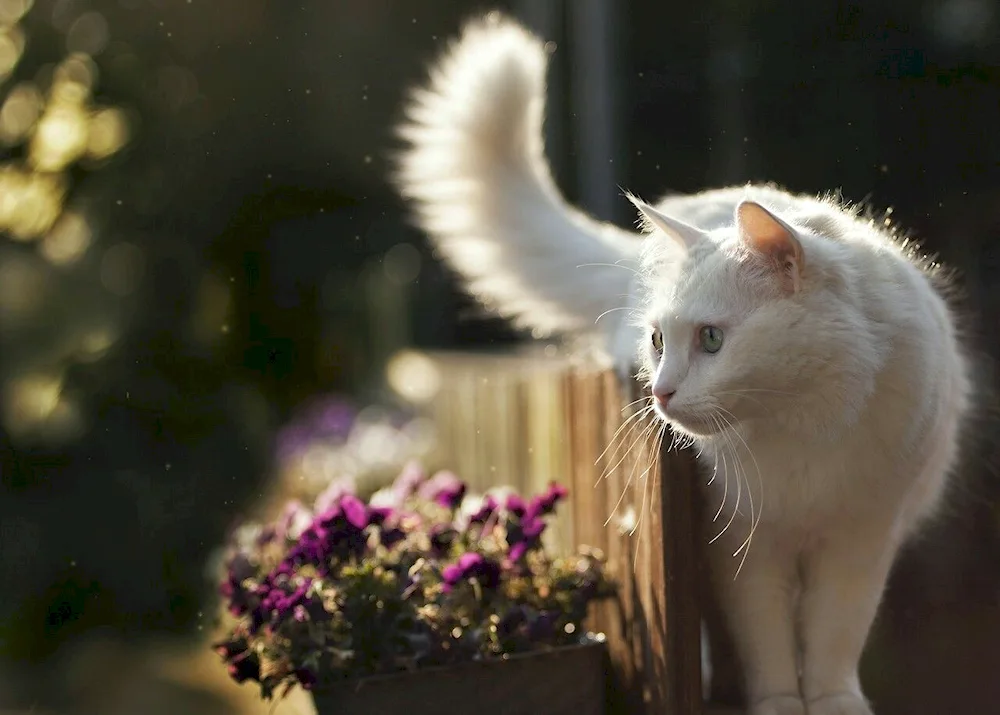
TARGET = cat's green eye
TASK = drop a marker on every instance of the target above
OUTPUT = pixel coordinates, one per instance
(657, 341)
(711, 338)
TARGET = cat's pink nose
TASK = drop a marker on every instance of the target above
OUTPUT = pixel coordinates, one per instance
(662, 397)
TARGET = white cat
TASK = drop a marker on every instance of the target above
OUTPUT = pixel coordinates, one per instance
(805, 352)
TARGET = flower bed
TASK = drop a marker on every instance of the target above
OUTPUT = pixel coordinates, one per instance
(421, 577)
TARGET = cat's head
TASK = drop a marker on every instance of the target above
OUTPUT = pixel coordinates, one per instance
(735, 327)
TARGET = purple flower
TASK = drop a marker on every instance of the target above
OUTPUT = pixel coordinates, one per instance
(333, 494)
(515, 505)
(517, 551)
(444, 488)
(347, 509)
(485, 511)
(314, 547)
(409, 480)
(355, 510)
(339, 532)
(523, 536)
(471, 565)
(285, 606)
(546, 503)
(279, 601)
(238, 570)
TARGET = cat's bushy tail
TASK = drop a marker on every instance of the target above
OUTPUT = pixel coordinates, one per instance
(475, 171)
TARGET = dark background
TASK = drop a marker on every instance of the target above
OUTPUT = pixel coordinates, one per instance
(254, 191)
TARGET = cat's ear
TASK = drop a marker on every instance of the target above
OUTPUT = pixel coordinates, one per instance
(684, 235)
(771, 238)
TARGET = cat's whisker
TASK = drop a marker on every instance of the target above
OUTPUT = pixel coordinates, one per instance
(740, 479)
(635, 415)
(638, 414)
(628, 450)
(754, 518)
(645, 398)
(642, 511)
(613, 310)
(608, 265)
(725, 474)
(650, 443)
(715, 470)
(649, 485)
(631, 475)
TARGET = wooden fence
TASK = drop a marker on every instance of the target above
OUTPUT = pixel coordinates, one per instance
(523, 420)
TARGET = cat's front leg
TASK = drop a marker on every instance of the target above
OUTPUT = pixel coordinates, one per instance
(843, 580)
(759, 607)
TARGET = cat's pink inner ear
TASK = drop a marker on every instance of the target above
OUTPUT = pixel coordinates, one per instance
(771, 238)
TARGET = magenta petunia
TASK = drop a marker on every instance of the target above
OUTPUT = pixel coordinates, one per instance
(409, 480)
(355, 510)
(546, 503)
(472, 565)
(515, 505)
(445, 489)
(334, 494)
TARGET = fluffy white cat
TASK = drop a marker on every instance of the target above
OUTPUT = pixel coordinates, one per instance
(805, 352)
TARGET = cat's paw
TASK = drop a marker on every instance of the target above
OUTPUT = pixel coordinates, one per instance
(779, 705)
(840, 704)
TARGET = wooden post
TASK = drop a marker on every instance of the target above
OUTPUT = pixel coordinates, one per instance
(637, 503)
(676, 587)
(652, 541)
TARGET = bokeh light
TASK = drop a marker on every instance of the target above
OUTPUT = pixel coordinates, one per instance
(11, 47)
(11, 11)
(68, 240)
(19, 112)
(413, 376)
(30, 202)
(109, 132)
(61, 136)
(34, 406)
(50, 124)
(88, 34)
(402, 263)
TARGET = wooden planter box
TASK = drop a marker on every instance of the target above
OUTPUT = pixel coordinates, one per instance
(565, 681)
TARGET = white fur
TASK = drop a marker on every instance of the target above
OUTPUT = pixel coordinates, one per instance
(827, 423)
